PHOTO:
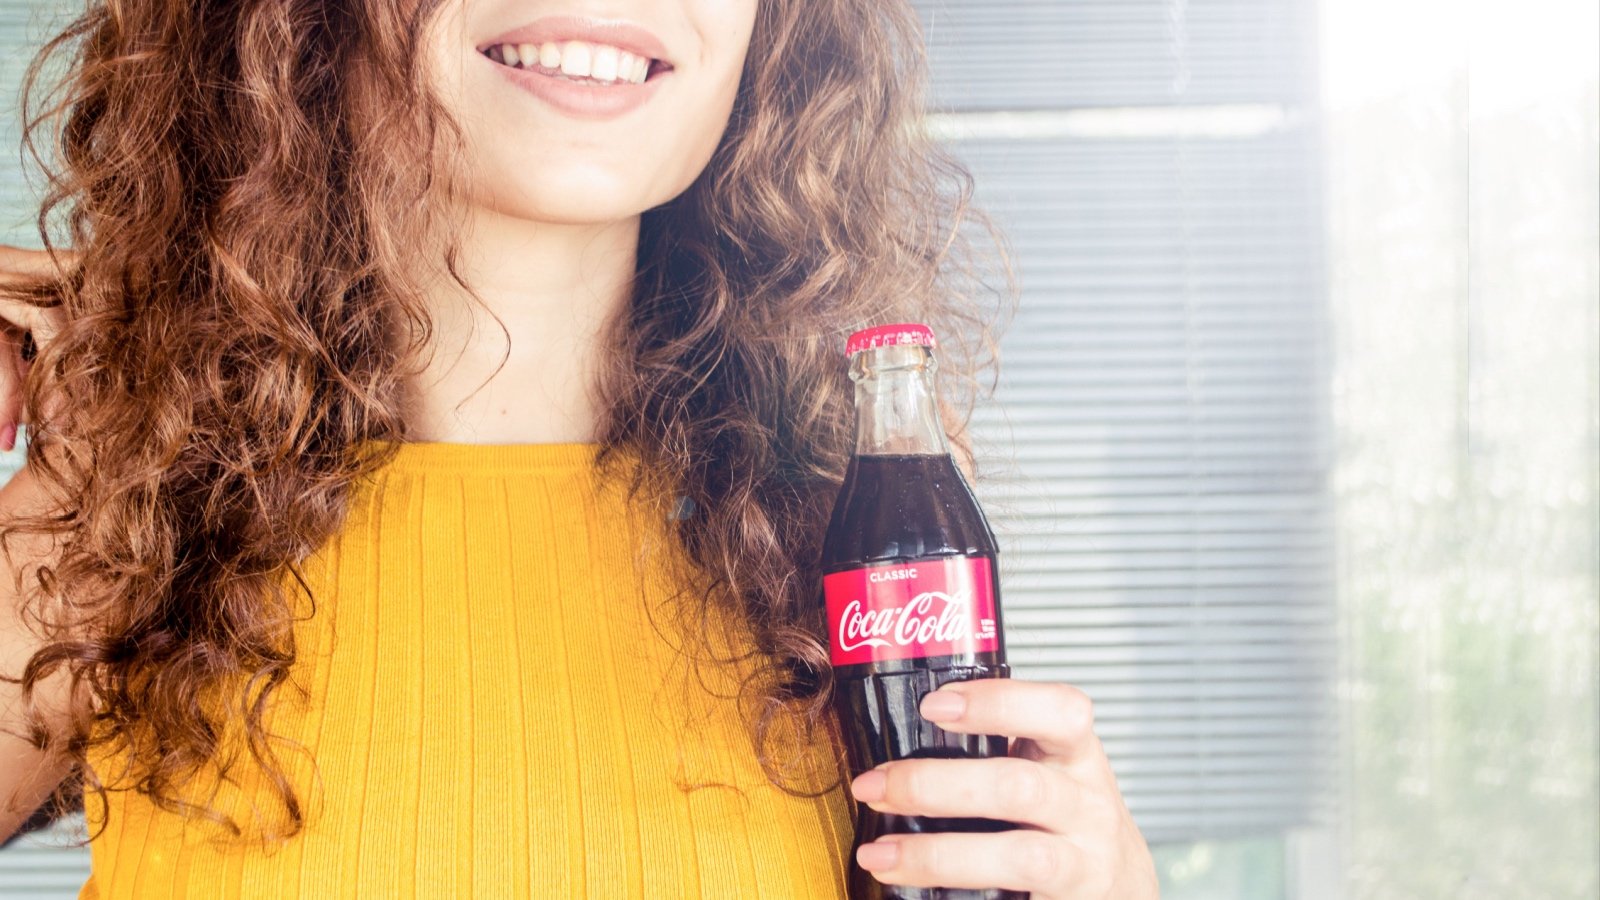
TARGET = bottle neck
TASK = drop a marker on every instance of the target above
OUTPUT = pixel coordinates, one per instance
(897, 411)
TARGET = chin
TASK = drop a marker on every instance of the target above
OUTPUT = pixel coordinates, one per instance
(573, 211)
(578, 196)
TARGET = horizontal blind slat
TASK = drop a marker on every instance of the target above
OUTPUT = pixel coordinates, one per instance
(1155, 457)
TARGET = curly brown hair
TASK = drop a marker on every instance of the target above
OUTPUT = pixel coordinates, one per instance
(239, 323)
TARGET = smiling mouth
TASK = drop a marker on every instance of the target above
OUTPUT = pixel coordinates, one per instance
(579, 62)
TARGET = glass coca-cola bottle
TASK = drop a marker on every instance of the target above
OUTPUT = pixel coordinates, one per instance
(911, 585)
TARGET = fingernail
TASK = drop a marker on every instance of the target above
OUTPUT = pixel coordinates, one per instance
(869, 787)
(8, 437)
(878, 855)
(943, 706)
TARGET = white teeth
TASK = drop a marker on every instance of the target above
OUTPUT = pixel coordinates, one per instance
(604, 67)
(575, 59)
(578, 59)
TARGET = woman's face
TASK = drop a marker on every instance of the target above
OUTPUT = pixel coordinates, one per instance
(544, 147)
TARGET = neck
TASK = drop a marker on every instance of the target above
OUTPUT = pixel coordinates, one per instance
(553, 286)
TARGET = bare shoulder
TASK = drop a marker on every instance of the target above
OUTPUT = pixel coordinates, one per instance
(28, 773)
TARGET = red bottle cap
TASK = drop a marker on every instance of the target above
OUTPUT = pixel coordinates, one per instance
(889, 336)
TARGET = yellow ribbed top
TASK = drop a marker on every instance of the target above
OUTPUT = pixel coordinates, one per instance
(491, 713)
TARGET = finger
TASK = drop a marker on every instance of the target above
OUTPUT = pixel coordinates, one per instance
(19, 264)
(1020, 860)
(42, 321)
(19, 268)
(1001, 787)
(23, 363)
(1059, 718)
(10, 390)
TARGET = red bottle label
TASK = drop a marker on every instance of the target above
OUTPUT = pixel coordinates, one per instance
(933, 607)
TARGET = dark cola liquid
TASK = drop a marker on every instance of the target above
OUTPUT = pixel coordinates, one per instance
(893, 510)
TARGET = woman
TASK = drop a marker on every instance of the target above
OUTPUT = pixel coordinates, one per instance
(439, 413)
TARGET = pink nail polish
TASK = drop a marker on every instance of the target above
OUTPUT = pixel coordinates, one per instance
(878, 855)
(943, 706)
(8, 437)
(869, 786)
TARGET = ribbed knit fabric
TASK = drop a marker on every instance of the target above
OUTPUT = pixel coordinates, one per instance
(491, 713)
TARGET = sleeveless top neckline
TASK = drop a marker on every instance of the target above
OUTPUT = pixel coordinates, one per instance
(462, 458)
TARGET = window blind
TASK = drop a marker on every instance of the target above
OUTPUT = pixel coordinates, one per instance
(1158, 449)
(22, 28)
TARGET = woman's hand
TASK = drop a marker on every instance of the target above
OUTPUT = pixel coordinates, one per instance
(1077, 840)
(24, 329)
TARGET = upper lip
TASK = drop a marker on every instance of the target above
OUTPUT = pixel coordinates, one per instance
(623, 35)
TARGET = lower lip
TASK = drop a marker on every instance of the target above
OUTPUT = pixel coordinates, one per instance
(584, 101)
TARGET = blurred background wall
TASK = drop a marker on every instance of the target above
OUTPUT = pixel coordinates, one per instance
(1296, 449)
